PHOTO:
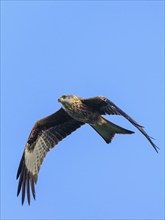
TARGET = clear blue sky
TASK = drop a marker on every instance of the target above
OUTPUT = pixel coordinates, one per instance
(86, 48)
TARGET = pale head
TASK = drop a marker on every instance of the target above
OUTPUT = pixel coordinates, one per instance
(68, 99)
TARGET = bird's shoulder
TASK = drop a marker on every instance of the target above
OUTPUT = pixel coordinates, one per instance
(47, 122)
(100, 104)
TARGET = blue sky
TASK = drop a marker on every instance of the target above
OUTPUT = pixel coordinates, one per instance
(86, 48)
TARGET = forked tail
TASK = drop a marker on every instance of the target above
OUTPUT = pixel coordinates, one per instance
(107, 129)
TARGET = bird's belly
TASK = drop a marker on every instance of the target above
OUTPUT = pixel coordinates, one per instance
(83, 115)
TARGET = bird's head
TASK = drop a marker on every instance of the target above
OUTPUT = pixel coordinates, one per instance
(67, 99)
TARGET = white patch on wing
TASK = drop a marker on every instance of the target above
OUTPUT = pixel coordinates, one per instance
(34, 158)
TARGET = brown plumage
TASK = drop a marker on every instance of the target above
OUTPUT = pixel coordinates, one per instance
(48, 131)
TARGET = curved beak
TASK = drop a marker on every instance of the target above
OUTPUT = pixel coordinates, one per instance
(60, 99)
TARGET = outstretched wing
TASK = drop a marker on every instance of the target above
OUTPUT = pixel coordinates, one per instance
(45, 134)
(104, 106)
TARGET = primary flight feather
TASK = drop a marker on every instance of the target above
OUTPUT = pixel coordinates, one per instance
(48, 131)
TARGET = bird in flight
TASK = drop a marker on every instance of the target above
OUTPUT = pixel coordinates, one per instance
(47, 132)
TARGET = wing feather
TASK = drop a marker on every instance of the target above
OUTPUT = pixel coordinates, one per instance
(45, 134)
(28, 187)
(104, 106)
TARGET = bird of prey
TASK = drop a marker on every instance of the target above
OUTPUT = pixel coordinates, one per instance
(47, 132)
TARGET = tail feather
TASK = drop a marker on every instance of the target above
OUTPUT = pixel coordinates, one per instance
(107, 129)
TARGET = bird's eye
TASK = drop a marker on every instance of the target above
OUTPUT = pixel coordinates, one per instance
(64, 96)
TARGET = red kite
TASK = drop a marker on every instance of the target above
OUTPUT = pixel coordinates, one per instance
(48, 131)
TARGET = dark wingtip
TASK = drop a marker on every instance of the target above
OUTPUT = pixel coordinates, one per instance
(26, 182)
(20, 167)
(28, 188)
(154, 145)
(156, 148)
